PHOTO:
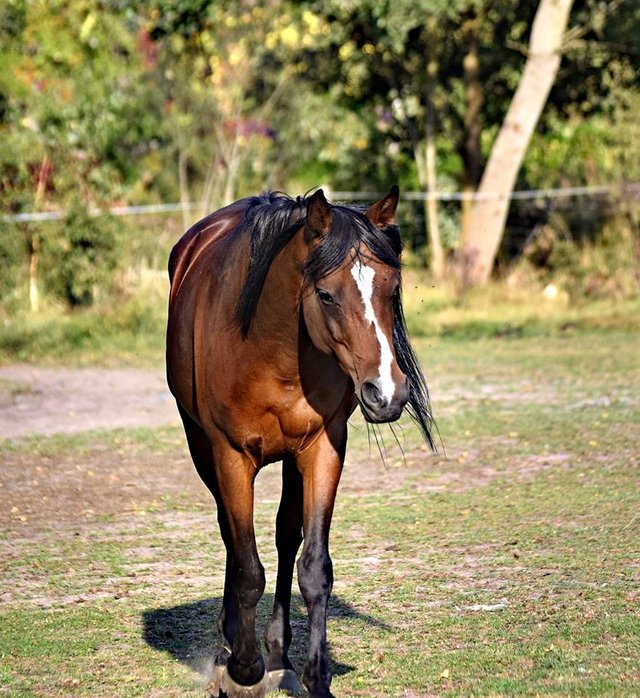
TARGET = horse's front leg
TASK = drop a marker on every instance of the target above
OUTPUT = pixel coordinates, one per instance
(321, 466)
(244, 579)
(201, 450)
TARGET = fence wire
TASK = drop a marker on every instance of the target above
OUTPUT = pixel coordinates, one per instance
(632, 189)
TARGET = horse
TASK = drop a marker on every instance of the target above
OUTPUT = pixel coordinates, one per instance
(285, 315)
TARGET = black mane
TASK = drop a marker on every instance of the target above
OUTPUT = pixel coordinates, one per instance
(272, 219)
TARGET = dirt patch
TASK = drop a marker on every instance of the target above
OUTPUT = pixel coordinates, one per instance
(41, 491)
(44, 487)
(41, 488)
(35, 400)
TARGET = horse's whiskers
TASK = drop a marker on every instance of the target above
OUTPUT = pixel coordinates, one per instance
(397, 440)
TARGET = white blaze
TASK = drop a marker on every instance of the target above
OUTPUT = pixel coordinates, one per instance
(364, 281)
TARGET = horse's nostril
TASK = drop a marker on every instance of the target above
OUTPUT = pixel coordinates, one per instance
(372, 395)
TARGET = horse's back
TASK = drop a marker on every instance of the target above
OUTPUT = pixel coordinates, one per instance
(203, 271)
(202, 235)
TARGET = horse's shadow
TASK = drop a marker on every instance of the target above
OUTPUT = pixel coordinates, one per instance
(189, 632)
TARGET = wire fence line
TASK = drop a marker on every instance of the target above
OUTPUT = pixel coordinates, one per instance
(43, 216)
(529, 194)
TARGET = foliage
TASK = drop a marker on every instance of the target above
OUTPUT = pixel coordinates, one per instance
(595, 151)
(13, 260)
(80, 255)
(126, 102)
(71, 90)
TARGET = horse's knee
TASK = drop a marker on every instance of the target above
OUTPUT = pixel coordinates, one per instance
(315, 575)
(249, 584)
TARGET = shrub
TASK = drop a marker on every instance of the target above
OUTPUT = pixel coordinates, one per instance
(80, 256)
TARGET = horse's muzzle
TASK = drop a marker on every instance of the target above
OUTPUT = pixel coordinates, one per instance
(376, 407)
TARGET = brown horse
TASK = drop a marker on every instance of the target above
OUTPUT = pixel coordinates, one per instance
(284, 315)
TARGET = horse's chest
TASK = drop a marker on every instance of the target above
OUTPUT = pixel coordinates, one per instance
(269, 435)
(268, 413)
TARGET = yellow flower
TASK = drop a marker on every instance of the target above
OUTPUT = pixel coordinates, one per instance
(346, 50)
(290, 36)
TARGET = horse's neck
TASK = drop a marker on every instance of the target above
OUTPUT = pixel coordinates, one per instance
(274, 327)
(281, 326)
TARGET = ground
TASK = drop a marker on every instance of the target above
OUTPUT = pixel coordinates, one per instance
(504, 565)
(35, 400)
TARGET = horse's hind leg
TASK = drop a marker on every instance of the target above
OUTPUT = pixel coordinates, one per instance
(288, 538)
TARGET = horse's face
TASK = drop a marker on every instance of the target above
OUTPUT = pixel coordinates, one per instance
(350, 314)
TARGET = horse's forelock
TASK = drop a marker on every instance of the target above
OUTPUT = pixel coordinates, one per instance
(350, 231)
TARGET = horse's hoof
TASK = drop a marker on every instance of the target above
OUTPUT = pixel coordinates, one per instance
(223, 686)
(283, 680)
(213, 689)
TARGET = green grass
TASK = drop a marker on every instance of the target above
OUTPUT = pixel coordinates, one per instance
(500, 310)
(508, 567)
(128, 333)
(132, 332)
(509, 588)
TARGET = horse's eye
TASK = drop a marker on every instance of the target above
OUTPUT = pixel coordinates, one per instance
(325, 296)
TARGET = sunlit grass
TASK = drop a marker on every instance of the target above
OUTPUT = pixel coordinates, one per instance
(501, 310)
(133, 331)
(130, 332)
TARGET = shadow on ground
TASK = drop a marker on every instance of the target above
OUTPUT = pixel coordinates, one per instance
(189, 632)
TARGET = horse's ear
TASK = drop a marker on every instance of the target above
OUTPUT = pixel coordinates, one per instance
(383, 212)
(318, 215)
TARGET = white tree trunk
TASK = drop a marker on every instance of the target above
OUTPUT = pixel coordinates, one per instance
(488, 213)
(426, 161)
(184, 185)
(431, 204)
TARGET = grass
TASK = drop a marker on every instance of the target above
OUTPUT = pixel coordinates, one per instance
(501, 310)
(128, 333)
(506, 567)
(132, 331)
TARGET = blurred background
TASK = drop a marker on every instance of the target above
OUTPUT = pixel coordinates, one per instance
(121, 123)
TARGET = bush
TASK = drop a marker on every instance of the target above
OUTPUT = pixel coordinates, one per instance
(13, 260)
(80, 256)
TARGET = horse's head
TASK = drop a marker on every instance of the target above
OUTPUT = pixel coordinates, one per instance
(351, 298)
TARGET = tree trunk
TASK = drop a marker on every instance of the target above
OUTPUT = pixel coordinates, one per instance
(430, 176)
(488, 213)
(34, 240)
(233, 163)
(184, 185)
(471, 151)
(34, 254)
(431, 204)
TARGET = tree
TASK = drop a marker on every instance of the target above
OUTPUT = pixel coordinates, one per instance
(488, 213)
(427, 66)
(240, 117)
(70, 114)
